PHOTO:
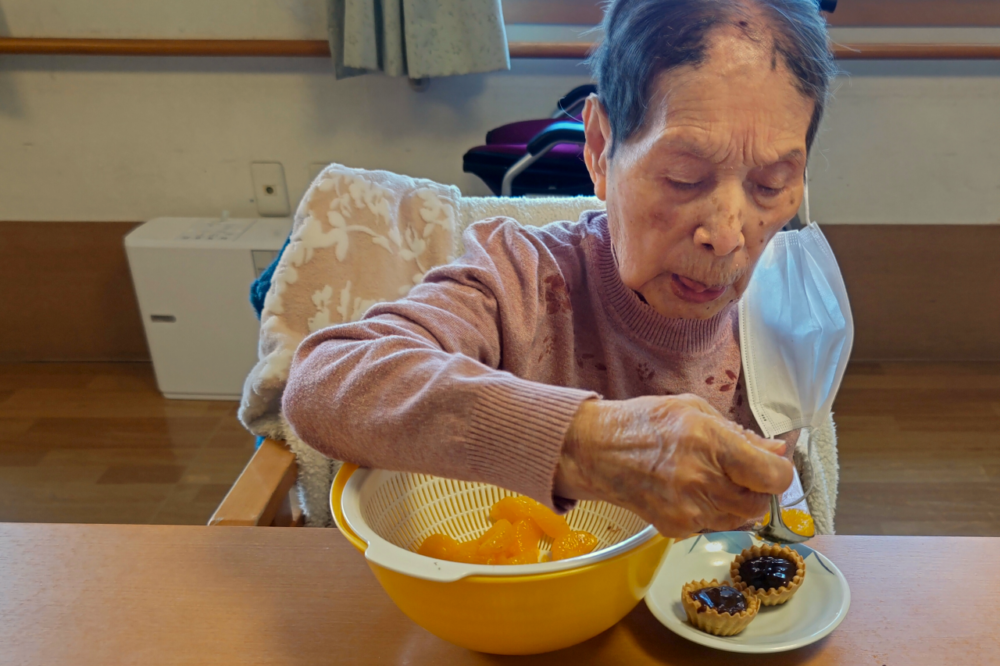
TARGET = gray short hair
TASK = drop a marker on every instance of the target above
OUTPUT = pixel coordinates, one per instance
(644, 38)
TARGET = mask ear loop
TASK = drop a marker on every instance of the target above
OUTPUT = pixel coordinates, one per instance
(809, 219)
(808, 490)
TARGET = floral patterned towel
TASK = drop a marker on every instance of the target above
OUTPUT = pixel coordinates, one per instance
(359, 237)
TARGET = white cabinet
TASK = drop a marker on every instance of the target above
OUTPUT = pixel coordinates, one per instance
(192, 277)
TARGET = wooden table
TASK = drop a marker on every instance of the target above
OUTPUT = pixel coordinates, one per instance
(103, 594)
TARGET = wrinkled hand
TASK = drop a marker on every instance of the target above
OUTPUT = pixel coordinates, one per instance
(673, 460)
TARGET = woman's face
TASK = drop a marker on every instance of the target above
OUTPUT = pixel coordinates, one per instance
(713, 175)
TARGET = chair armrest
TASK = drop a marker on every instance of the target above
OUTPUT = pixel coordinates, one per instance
(574, 99)
(542, 143)
(261, 489)
(556, 133)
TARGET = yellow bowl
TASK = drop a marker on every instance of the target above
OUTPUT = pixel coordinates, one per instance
(512, 614)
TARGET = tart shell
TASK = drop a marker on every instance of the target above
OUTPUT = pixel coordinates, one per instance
(773, 596)
(712, 621)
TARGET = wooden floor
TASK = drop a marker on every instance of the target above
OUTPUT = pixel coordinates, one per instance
(919, 448)
(98, 443)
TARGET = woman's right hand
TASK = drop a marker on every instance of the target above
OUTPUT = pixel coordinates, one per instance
(673, 460)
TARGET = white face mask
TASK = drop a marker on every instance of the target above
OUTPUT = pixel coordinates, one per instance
(796, 331)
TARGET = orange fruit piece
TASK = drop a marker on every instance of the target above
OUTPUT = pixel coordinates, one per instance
(468, 552)
(799, 522)
(512, 508)
(573, 544)
(440, 547)
(796, 520)
(553, 525)
(524, 558)
(520, 508)
(527, 534)
(493, 545)
(524, 547)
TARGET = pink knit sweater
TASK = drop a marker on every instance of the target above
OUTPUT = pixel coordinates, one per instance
(477, 373)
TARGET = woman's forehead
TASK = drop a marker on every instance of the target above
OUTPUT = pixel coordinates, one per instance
(751, 137)
(724, 106)
(727, 147)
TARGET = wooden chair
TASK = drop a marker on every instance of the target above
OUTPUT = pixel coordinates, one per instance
(263, 495)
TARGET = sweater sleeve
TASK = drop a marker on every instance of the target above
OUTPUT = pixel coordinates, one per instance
(416, 386)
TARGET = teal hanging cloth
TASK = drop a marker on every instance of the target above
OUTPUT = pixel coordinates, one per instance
(417, 38)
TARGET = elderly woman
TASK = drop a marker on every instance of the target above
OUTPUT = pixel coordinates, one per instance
(600, 358)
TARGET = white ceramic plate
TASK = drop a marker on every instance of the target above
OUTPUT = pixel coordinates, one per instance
(816, 609)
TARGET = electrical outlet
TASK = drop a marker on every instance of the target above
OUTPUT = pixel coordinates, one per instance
(269, 189)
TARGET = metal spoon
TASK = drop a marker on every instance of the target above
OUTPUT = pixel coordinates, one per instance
(775, 531)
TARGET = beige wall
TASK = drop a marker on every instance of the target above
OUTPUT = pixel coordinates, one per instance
(220, 19)
(128, 139)
(116, 139)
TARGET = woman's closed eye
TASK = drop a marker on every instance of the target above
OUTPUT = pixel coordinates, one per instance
(769, 191)
(684, 186)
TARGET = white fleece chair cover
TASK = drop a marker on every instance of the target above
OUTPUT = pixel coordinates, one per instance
(360, 237)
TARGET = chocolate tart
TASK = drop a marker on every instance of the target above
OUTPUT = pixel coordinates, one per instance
(769, 572)
(718, 608)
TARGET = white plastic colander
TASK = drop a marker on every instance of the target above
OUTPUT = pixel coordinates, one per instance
(393, 512)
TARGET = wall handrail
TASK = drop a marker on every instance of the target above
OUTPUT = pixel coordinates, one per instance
(305, 48)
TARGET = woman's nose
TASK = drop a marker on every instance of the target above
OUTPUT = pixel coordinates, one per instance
(722, 230)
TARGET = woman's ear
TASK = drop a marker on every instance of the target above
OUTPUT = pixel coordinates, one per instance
(595, 153)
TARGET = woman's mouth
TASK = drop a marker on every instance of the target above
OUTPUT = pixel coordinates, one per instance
(693, 291)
